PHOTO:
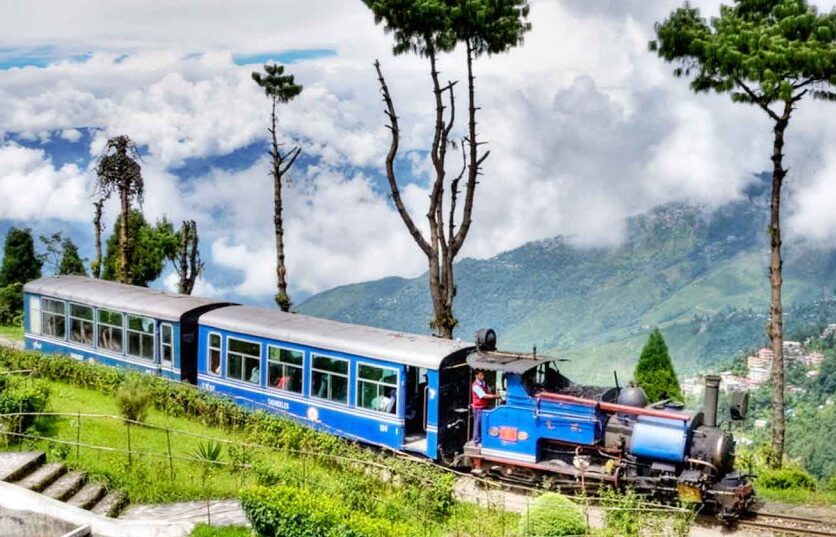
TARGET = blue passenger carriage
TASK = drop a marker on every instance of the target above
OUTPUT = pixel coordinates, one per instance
(360, 382)
(115, 324)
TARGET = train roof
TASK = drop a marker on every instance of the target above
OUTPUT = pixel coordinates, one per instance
(118, 296)
(400, 347)
(508, 362)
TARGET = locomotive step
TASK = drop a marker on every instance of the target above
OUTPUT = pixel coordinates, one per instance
(67, 485)
(87, 496)
(42, 477)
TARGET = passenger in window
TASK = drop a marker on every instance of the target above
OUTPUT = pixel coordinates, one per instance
(283, 383)
(255, 378)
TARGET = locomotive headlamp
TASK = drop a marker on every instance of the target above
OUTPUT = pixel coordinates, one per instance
(486, 339)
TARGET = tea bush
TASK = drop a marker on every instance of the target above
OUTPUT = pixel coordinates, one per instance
(282, 511)
(20, 395)
(787, 479)
(552, 515)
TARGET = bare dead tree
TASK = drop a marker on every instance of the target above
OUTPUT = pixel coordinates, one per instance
(445, 240)
(429, 28)
(97, 226)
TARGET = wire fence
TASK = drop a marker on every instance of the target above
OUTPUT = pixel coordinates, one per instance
(493, 495)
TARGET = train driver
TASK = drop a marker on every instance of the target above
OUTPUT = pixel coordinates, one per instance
(479, 397)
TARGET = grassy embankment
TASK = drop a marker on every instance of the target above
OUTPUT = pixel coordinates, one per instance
(147, 476)
(15, 333)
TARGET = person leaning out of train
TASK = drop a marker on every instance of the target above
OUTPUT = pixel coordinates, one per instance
(480, 398)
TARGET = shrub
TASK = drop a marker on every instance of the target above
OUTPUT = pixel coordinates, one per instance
(21, 395)
(283, 511)
(133, 398)
(787, 479)
(552, 515)
(11, 305)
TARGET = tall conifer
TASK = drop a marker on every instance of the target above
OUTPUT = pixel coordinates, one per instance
(654, 371)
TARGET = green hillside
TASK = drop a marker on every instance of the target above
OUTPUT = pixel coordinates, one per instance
(700, 275)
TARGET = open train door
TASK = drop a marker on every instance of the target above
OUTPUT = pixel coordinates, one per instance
(416, 411)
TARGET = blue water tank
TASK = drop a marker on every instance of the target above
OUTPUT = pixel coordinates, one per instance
(659, 439)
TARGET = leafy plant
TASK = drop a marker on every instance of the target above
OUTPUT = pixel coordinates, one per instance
(18, 397)
(134, 398)
(787, 479)
(552, 515)
(289, 512)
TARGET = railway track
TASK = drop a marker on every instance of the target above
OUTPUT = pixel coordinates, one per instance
(780, 524)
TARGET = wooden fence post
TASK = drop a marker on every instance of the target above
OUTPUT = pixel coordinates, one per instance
(130, 457)
(170, 460)
(77, 435)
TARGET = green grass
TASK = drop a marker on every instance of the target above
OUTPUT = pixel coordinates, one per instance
(147, 476)
(798, 496)
(12, 332)
(202, 530)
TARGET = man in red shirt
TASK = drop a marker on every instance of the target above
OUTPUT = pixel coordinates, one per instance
(479, 397)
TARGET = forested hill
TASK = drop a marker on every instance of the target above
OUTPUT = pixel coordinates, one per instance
(700, 275)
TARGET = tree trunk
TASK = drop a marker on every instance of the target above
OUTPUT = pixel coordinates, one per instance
(776, 321)
(282, 298)
(124, 254)
(97, 224)
(189, 265)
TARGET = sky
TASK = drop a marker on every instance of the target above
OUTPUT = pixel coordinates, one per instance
(585, 127)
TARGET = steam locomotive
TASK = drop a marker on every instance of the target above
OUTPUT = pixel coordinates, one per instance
(549, 426)
(407, 392)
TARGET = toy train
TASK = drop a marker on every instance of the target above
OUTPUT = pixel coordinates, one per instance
(407, 392)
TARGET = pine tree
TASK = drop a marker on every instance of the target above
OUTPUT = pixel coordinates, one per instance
(771, 54)
(280, 88)
(654, 372)
(20, 263)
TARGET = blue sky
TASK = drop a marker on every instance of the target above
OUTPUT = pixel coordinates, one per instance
(584, 131)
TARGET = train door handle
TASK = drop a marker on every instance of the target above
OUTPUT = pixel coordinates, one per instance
(426, 402)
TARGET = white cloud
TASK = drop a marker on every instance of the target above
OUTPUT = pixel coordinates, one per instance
(32, 188)
(585, 127)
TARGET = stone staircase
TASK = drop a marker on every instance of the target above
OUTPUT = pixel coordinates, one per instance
(31, 471)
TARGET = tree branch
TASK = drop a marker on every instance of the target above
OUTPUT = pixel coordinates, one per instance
(390, 164)
(759, 100)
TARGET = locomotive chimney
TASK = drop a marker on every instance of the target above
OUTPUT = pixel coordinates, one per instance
(712, 388)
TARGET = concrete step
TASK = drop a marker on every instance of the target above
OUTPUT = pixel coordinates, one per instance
(111, 505)
(66, 485)
(15, 465)
(88, 496)
(42, 477)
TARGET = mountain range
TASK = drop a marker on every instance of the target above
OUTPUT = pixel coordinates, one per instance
(698, 274)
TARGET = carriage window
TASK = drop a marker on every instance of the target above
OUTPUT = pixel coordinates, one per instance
(166, 343)
(110, 330)
(81, 324)
(242, 360)
(141, 337)
(377, 388)
(35, 315)
(53, 320)
(284, 368)
(214, 362)
(330, 379)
